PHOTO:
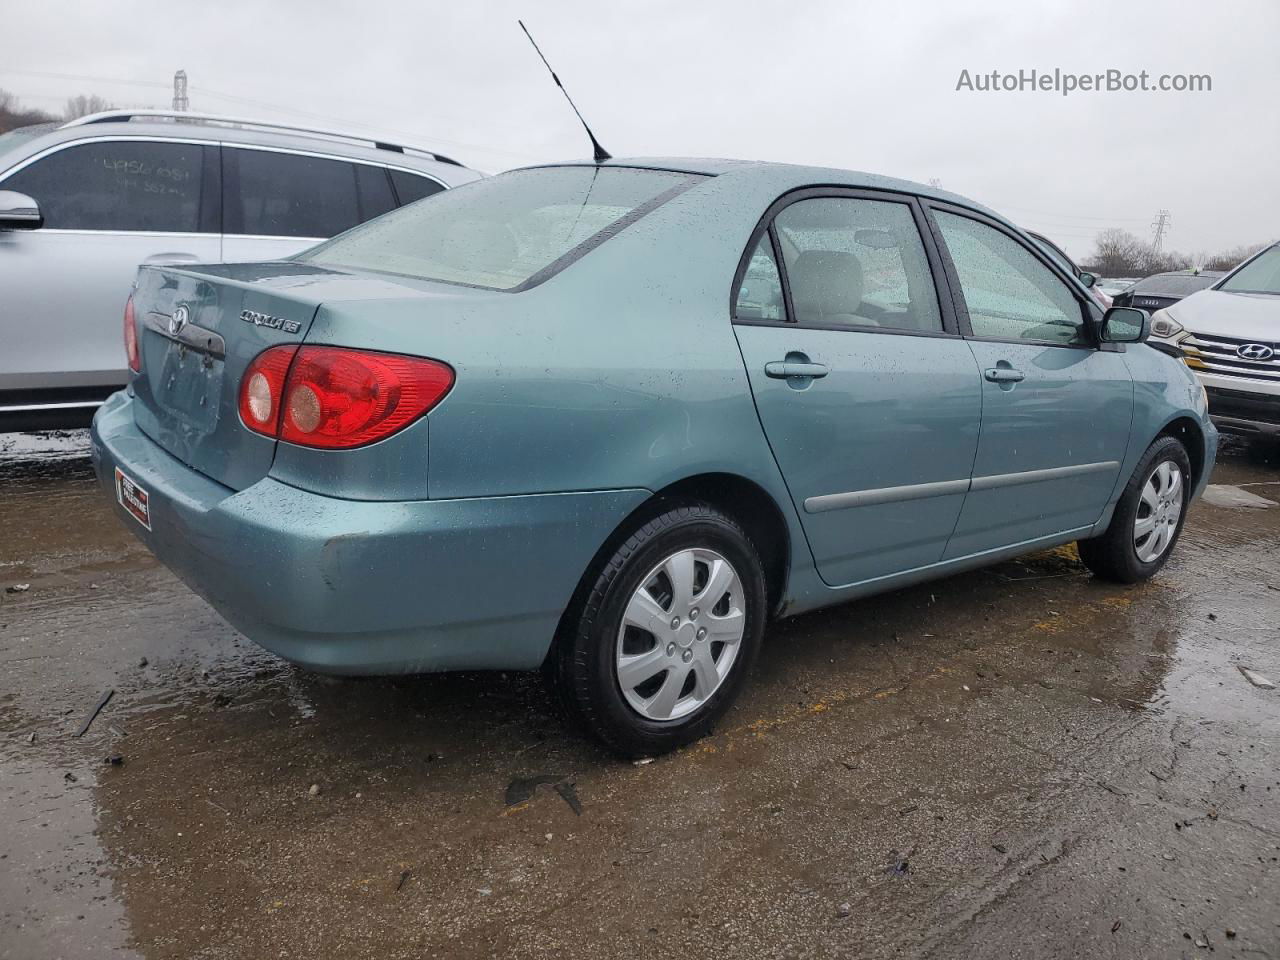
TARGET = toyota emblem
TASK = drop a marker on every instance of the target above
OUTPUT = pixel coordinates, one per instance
(178, 319)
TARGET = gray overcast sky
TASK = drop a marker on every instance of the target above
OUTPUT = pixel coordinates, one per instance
(864, 85)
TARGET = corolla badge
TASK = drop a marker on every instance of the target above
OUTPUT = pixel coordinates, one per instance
(274, 323)
(1255, 351)
(178, 319)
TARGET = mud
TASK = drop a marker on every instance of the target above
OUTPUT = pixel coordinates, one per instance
(1018, 762)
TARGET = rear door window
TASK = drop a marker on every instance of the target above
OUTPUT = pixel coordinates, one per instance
(857, 263)
(124, 185)
(273, 194)
(410, 187)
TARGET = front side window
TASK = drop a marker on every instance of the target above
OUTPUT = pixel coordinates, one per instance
(272, 194)
(760, 295)
(125, 185)
(1259, 275)
(508, 231)
(1009, 293)
(855, 262)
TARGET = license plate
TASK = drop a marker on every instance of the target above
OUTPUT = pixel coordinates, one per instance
(133, 498)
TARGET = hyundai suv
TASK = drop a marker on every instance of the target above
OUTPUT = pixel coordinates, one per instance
(1229, 335)
(84, 203)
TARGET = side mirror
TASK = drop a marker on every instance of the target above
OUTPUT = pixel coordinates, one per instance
(1088, 279)
(1125, 325)
(19, 212)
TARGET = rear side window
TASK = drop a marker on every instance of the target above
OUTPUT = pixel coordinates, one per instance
(273, 194)
(760, 296)
(859, 263)
(122, 185)
(410, 188)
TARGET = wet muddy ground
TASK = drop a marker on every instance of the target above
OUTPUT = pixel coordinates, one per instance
(1018, 762)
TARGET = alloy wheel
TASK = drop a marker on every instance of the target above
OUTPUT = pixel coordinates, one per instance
(1159, 510)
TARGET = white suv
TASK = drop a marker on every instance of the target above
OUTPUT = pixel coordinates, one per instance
(1229, 334)
(84, 203)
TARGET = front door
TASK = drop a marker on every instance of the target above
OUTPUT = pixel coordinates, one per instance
(109, 205)
(869, 402)
(1056, 408)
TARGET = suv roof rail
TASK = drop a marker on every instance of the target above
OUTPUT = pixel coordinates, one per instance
(112, 116)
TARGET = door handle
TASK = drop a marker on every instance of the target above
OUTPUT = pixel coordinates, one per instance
(1004, 375)
(786, 369)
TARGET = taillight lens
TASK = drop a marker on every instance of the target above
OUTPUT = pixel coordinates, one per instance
(131, 337)
(336, 398)
(262, 389)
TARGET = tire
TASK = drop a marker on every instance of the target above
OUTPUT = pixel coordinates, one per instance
(1120, 553)
(668, 632)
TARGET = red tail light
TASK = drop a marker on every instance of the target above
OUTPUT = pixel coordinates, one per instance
(131, 337)
(337, 398)
(262, 389)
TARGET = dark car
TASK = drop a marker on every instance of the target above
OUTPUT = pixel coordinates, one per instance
(1165, 289)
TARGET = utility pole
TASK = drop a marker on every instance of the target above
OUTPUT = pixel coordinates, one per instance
(1160, 224)
(180, 101)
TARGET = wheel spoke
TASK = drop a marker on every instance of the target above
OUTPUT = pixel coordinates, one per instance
(1150, 496)
(664, 701)
(1144, 527)
(726, 629)
(718, 583)
(635, 670)
(1174, 488)
(644, 612)
(706, 679)
(680, 570)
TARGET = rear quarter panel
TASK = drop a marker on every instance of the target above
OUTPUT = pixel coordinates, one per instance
(622, 371)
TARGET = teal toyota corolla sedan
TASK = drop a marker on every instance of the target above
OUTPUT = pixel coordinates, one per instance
(610, 419)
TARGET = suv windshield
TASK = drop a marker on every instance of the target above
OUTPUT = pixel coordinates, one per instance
(1259, 275)
(507, 232)
(22, 134)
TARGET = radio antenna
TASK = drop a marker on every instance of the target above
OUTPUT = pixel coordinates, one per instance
(601, 154)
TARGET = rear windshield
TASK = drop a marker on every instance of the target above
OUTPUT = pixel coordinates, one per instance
(1259, 275)
(1174, 284)
(506, 232)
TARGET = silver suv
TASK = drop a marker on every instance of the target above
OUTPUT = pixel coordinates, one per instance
(82, 204)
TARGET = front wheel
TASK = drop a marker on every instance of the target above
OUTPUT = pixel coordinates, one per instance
(661, 645)
(1148, 517)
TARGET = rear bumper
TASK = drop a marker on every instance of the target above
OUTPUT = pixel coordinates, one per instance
(361, 587)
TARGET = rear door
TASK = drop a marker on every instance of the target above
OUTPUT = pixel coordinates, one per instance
(278, 203)
(109, 205)
(1056, 406)
(867, 394)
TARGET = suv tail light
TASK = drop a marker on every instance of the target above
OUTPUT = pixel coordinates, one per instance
(336, 398)
(131, 337)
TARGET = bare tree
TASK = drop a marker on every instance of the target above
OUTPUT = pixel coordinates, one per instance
(12, 114)
(1230, 258)
(82, 106)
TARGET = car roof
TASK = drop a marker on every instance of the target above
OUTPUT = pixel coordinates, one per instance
(163, 125)
(791, 176)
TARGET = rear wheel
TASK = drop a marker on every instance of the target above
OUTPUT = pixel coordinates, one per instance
(1148, 517)
(661, 645)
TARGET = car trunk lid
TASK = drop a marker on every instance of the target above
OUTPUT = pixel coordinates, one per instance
(199, 329)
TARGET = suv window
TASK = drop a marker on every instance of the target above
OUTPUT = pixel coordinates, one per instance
(410, 188)
(274, 194)
(858, 263)
(119, 185)
(1259, 275)
(760, 296)
(1009, 293)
